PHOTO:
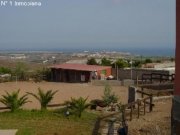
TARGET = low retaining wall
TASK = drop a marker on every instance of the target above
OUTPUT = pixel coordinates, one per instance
(126, 73)
(105, 82)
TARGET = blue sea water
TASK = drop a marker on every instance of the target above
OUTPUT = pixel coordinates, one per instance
(134, 51)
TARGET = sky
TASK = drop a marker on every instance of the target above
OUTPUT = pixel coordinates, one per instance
(89, 24)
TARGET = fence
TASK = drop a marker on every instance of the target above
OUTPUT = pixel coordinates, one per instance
(158, 77)
(157, 88)
(138, 103)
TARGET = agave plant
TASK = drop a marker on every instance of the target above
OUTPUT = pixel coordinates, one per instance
(13, 100)
(79, 105)
(44, 97)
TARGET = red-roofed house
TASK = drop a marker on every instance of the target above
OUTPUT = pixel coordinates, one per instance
(78, 72)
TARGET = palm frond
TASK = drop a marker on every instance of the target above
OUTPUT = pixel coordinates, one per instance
(44, 97)
(79, 105)
(13, 101)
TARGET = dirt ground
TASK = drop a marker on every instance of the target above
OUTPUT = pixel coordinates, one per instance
(65, 91)
(154, 123)
(158, 122)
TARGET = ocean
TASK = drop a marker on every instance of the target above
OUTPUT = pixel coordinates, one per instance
(134, 51)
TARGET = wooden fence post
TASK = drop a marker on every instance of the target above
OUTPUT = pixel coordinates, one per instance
(151, 78)
(131, 112)
(144, 106)
(123, 113)
(150, 105)
(138, 108)
(142, 89)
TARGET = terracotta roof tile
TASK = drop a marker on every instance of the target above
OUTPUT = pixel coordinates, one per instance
(80, 67)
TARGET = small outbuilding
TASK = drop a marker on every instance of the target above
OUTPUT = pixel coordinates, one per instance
(78, 72)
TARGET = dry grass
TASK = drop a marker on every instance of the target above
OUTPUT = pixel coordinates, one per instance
(47, 123)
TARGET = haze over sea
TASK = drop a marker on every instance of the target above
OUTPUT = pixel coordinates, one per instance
(169, 52)
(142, 27)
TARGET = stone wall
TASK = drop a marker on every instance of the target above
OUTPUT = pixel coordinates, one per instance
(126, 73)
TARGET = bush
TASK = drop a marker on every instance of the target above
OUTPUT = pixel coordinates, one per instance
(108, 96)
(4, 70)
(97, 102)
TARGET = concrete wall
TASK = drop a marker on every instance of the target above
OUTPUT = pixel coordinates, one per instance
(126, 73)
(105, 82)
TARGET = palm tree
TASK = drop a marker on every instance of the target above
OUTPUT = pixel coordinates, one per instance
(79, 105)
(44, 97)
(13, 100)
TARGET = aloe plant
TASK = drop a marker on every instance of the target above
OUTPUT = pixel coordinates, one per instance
(13, 100)
(44, 97)
(79, 105)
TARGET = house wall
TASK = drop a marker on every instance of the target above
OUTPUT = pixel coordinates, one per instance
(65, 75)
(108, 72)
(61, 75)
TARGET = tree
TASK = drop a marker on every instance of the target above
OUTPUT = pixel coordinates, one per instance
(172, 59)
(79, 105)
(148, 61)
(20, 71)
(106, 62)
(158, 61)
(44, 97)
(92, 61)
(13, 100)
(121, 63)
(42, 74)
(4, 70)
(108, 96)
(137, 63)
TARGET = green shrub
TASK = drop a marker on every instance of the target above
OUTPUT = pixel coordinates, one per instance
(4, 70)
(108, 96)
